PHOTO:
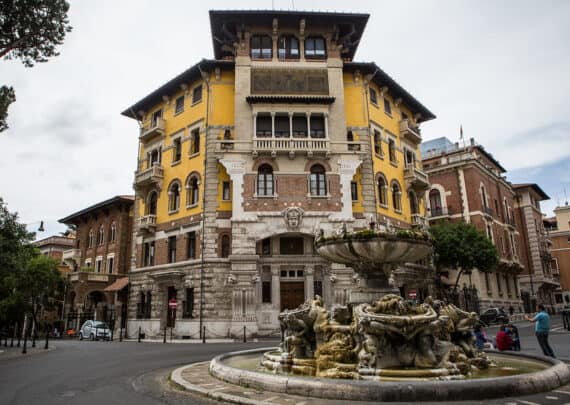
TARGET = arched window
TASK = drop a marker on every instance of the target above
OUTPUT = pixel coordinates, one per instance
(414, 207)
(101, 235)
(315, 48)
(174, 197)
(265, 180)
(152, 203)
(261, 47)
(225, 246)
(382, 191)
(192, 191)
(113, 232)
(91, 239)
(288, 47)
(396, 196)
(318, 181)
(435, 203)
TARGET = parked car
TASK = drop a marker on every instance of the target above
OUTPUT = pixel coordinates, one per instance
(493, 315)
(94, 330)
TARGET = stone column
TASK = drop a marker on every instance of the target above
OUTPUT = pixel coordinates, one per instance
(255, 125)
(275, 288)
(326, 119)
(290, 125)
(309, 282)
(308, 124)
(273, 125)
(347, 169)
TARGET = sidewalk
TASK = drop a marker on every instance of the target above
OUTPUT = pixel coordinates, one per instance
(16, 352)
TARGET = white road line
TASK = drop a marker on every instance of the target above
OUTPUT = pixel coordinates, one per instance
(549, 397)
(527, 402)
(561, 392)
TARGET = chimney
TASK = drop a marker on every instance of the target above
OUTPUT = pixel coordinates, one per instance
(472, 141)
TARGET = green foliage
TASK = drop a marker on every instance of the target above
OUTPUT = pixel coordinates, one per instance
(30, 30)
(7, 97)
(366, 234)
(462, 246)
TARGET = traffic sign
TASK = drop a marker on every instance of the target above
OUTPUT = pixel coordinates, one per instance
(172, 304)
(412, 294)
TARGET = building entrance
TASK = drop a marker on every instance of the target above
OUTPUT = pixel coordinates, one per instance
(292, 294)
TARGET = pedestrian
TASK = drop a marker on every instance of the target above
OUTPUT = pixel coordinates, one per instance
(511, 310)
(504, 341)
(542, 326)
(481, 339)
(514, 334)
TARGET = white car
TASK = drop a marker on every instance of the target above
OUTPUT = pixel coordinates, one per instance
(94, 330)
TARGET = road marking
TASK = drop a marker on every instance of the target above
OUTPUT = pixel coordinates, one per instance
(561, 392)
(527, 402)
(551, 397)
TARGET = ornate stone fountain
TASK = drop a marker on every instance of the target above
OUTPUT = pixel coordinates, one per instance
(378, 335)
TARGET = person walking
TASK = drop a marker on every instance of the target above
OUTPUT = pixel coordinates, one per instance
(542, 326)
(504, 341)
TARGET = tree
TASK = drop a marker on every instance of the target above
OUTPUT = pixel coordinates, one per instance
(462, 246)
(30, 30)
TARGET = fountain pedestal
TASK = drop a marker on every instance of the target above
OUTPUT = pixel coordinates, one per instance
(373, 285)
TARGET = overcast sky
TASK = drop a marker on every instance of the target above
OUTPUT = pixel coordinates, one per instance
(500, 69)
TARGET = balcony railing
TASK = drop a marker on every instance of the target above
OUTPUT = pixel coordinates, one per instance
(151, 129)
(71, 255)
(147, 223)
(510, 221)
(416, 178)
(418, 220)
(410, 131)
(286, 145)
(150, 176)
(439, 212)
(488, 211)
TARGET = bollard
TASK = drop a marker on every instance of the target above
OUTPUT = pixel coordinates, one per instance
(47, 338)
(96, 333)
(121, 333)
(244, 339)
(25, 349)
(139, 334)
(204, 334)
(33, 338)
(13, 334)
(164, 336)
(171, 335)
(112, 332)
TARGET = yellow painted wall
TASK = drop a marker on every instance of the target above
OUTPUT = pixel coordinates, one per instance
(360, 112)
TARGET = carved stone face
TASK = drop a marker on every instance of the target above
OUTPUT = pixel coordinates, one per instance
(293, 218)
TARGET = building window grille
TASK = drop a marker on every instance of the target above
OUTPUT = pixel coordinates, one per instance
(197, 94)
(317, 126)
(265, 180)
(191, 245)
(373, 97)
(188, 304)
(315, 48)
(396, 196)
(288, 47)
(387, 106)
(382, 191)
(179, 105)
(226, 191)
(225, 248)
(318, 181)
(195, 142)
(172, 249)
(261, 47)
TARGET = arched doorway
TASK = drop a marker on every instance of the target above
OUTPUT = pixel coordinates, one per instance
(96, 306)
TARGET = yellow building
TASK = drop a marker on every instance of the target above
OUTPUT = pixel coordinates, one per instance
(243, 158)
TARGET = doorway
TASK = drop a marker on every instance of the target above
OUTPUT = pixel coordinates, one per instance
(292, 294)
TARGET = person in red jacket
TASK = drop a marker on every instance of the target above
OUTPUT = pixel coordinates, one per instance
(504, 341)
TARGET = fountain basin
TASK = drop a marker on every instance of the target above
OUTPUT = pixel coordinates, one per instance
(536, 374)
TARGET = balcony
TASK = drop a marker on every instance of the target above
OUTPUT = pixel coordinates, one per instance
(416, 179)
(71, 257)
(152, 128)
(488, 212)
(510, 221)
(439, 212)
(291, 146)
(147, 223)
(410, 131)
(91, 276)
(418, 220)
(149, 177)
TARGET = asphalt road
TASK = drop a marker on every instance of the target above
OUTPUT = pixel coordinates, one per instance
(84, 372)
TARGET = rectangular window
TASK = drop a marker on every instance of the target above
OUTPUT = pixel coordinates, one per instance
(179, 105)
(354, 190)
(195, 142)
(98, 266)
(263, 126)
(226, 191)
(291, 246)
(156, 116)
(261, 47)
(387, 106)
(266, 247)
(392, 150)
(191, 245)
(148, 252)
(373, 96)
(110, 263)
(282, 126)
(197, 94)
(188, 306)
(171, 249)
(317, 123)
(177, 150)
(266, 291)
(378, 143)
(315, 48)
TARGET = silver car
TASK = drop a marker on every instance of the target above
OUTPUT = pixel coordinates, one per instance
(94, 330)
